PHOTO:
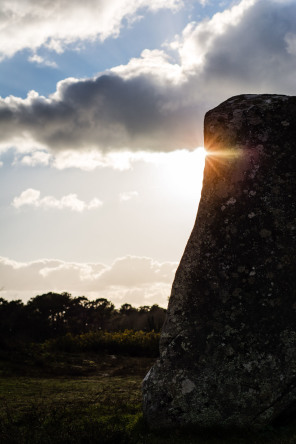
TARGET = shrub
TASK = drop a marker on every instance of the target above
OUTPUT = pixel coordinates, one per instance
(127, 342)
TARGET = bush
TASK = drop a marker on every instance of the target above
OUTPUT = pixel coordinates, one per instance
(127, 342)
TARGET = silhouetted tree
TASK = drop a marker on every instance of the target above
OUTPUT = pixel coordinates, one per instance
(100, 313)
(53, 315)
(47, 313)
(77, 315)
(156, 317)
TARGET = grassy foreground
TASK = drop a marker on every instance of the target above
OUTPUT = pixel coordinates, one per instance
(91, 398)
(76, 410)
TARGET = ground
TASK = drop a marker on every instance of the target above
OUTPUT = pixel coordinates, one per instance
(54, 397)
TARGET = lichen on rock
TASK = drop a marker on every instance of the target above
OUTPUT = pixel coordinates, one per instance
(228, 346)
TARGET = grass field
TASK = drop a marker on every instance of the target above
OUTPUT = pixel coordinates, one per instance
(73, 410)
(80, 398)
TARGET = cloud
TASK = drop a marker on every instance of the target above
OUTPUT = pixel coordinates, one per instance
(36, 158)
(87, 160)
(31, 197)
(132, 279)
(28, 197)
(60, 23)
(156, 103)
(107, 113)
(45, 274)
(35, 58)
(91, 159)
(133, 271)
(128, 195)
(249, 51)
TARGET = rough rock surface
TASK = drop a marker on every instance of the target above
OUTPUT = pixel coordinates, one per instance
(228, 346)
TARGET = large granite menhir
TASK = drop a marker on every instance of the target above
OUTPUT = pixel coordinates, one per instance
(228, 346)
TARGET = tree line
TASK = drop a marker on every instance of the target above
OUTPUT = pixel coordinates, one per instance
(53, 315)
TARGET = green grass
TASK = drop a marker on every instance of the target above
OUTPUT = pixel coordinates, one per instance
(76, 410)
(100, 405)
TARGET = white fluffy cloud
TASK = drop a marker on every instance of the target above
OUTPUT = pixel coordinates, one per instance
(31, 197)
(131, 279)
(58, 23)
(155, 103)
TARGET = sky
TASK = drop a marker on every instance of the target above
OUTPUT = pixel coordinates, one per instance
(101, 128)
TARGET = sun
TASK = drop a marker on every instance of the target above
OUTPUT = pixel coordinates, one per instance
(183, 172)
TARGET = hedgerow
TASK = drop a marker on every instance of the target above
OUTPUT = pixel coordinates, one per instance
(129, 342)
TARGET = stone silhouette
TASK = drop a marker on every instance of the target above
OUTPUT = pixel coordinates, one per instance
(228, 346)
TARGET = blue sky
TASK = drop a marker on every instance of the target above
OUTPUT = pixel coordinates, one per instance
(101, 120)
(87, 58)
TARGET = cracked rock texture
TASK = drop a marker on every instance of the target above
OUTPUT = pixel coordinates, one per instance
(228, 346)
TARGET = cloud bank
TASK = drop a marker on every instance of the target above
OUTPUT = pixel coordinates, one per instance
(156, 102)
(131, 279)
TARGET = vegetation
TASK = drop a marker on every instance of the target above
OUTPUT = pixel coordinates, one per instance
(71, 372)
(54, 315)
(94, 407)
(130, 342)
(72, 410)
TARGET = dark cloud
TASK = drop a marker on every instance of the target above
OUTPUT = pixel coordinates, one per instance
(254, 53)
(108, 112)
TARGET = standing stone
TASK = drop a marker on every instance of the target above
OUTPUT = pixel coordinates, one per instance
(228, 346)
